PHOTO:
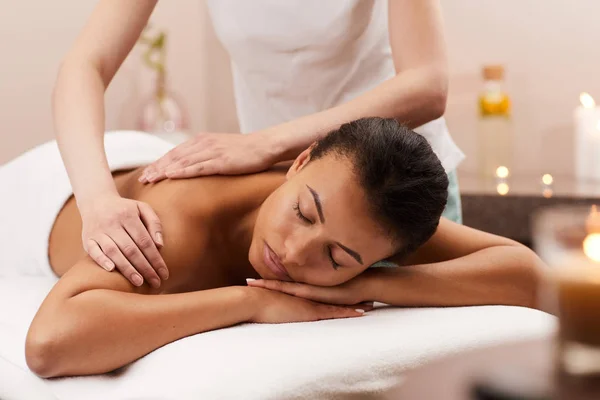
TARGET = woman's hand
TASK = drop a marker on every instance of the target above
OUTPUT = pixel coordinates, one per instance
(214, 153)
(273, 307)
(124, 233)
(353, 292)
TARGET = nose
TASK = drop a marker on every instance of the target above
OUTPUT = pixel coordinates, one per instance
(299, 249)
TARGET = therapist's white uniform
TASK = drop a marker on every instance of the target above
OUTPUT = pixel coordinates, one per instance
(292, 58)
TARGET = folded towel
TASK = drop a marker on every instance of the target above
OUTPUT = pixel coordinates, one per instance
(35, 187)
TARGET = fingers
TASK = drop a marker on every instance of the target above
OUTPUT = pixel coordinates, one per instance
(156, 171)
(310, 292)
(280, 286)
(94, 251)
(325, 311)
(134, 256)
(150, 263)
(210, 167)
(112, 251)
(152, 222)
(365, 306)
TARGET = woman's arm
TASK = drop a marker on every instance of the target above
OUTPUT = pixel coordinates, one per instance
(94, 322)
(110, 223)
(458, 266)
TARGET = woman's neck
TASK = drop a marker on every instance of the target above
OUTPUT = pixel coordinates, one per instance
(236, 211)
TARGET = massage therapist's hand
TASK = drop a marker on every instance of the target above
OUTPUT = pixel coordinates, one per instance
(214, 153)
(353, 292)
(124, 233)
(272, 307)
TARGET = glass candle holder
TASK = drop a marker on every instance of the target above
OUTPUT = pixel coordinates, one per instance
(567, 238)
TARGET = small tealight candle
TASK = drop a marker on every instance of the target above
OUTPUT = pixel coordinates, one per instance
(587, 139)
(502, 172)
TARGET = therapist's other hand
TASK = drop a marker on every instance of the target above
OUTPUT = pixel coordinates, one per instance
(273, 307)
(211, 154)
(124, 233)
(349, 293)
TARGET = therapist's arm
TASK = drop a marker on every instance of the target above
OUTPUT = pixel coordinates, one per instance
(416, 95)
(111, 224)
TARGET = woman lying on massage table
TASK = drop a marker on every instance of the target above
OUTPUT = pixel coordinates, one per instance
(370, 191)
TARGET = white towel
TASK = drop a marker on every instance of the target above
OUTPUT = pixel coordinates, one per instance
(333, 359)
(35, 187)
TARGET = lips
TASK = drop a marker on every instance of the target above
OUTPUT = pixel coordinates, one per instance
(272, 262)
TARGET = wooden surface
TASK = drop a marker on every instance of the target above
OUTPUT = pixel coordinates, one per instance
(523, 368)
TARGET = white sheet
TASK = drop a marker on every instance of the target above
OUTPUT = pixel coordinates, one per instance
(35, 188)
(321, 360)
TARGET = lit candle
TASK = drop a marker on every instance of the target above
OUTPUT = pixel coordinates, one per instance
(579, 310)
(587, 139)
(568, 240)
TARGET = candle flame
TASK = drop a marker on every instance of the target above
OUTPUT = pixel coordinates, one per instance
(547, 179)
(586, 100)
(591, 246)
(502, 172)
(502, 189)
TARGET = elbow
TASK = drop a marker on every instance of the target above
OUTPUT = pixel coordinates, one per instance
(437, 105)
(528, 272)
(41, 349)
(435, 94)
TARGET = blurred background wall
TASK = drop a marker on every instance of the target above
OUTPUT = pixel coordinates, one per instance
(549, 49)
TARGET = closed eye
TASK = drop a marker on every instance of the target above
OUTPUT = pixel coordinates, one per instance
(300, 215)
(334, 264)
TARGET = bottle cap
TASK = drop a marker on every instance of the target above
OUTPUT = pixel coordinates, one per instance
(493, 72)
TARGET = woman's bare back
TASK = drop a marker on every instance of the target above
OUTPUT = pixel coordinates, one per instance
(172, 200)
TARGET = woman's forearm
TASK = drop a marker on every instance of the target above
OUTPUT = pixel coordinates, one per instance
(99, 330)
(506, 275)
(78, 107)
(413, 97)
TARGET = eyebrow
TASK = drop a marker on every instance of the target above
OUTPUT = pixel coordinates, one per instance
(352, 253)
(317, 200)
(319, 206)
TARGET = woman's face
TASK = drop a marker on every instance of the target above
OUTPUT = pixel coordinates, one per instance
(316, 227)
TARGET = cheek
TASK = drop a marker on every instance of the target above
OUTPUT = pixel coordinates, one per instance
(275, 216)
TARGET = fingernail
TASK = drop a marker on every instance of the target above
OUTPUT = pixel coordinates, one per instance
(248, 280)
(137, 279)
(361, 311)
(163, 273)
(159, 239)
(155, 283)
(141, 178)
(109, 266)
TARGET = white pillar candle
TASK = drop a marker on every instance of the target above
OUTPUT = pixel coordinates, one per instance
(587, 139)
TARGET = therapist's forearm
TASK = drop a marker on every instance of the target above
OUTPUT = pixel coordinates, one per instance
(100, 330)
(413, 97)
(78, 106)
(505, 275)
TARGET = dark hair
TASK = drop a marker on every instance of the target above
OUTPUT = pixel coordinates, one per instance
(402, 177)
